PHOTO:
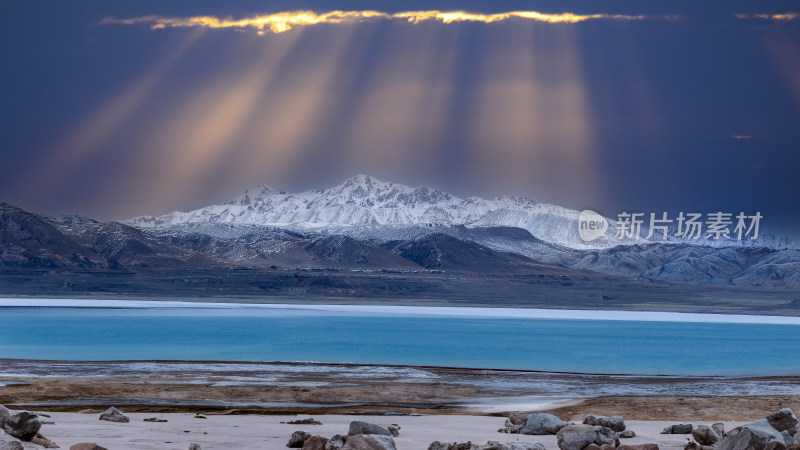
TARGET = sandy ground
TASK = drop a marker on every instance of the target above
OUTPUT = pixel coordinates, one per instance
(267, 432)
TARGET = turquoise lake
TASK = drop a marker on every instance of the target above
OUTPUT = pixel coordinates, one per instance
(245, 334)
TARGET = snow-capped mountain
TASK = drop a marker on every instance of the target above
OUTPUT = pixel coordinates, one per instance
(364, 202)
(365, 207)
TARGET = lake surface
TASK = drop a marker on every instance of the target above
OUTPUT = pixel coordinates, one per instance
(318, 334)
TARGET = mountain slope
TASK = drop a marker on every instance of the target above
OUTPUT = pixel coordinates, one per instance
(27, 240)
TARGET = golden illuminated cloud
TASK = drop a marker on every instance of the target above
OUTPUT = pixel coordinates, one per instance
(785, 16)
(284, 21)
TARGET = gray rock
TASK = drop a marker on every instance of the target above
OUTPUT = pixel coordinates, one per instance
(192, 446)
(436, 445)
(358, 427)
(114, 415)
(394, 429)
(616, 423)
(719, 428)
(514, 423)
(784, 420)
(542, 423)
(10, 445)
(627, 434)
(23, 426)
(681, 428)
(525, 446)
(599, 447)
(297, 439)
(494, 445)
(704, 435)
(758, 435)
(369, 442)
(336, 442)
(692, 445)
(576, 437)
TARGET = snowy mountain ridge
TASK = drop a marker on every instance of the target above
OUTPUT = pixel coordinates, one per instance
(364, 202)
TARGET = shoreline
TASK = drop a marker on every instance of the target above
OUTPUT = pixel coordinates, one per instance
(200, 362)
(275, 388)
(415, 311)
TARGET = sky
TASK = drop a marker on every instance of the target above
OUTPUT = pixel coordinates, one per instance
(118, 109)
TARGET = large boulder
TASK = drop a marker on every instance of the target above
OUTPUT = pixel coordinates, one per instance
(369, 442)
(23, 426)
(576, 437)
(784, 420)
(542, 423)
(358, 427)
(758, 435)
(297, 439)
(704, 435)
(114, 415)
(681, 428)
(616, 423)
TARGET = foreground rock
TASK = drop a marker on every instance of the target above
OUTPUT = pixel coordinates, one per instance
(369, 442)
(315, 443)
(309, 421)
(297, 439)
(23, 426)
(87, 446)
(336, 442)
(114, 415)
(542, 423)
(638, 447)
(358, 427)
(616, 423)
(777, 431)
(577, 437)
(704, 435)
(514, 423)
(681, 428)
(43, 441)
(13, 445)
(784, 420)
(491, 445)
(628, 434)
